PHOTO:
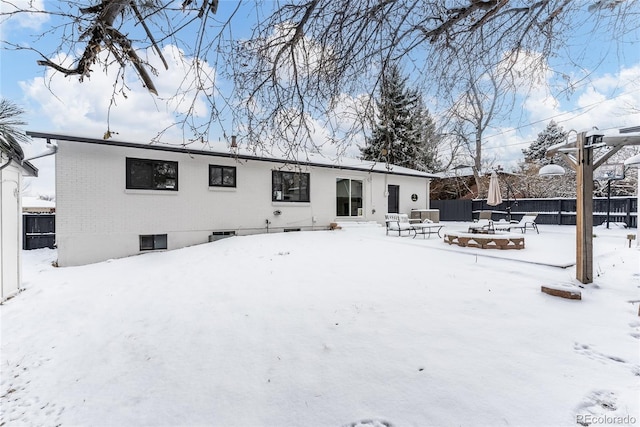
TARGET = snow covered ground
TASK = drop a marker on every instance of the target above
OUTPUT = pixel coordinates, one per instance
(328, 328)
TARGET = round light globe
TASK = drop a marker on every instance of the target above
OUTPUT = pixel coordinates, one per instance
(551, 170)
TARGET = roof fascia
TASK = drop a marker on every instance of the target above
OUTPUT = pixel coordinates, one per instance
(184, 150)
(29, 169)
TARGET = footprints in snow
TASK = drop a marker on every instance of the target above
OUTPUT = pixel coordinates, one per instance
(597, 403)
(589, 352)
(19, 407)
(635, 325)
(369, 423)
(586, 350)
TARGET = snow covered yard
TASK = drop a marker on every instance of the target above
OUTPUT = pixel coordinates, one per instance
(341, 328)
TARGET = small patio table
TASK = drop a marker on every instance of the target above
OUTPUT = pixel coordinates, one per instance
(426, 228)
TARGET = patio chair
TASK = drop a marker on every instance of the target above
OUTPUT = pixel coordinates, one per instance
(527, 221)
(485, 215)
(484, 226)
(399, 223)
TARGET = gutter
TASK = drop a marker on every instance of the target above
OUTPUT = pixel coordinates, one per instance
(175, 149)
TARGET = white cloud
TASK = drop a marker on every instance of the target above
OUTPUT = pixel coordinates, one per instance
(610, 101)
(85, 107)
(66, 105)
(527, 69)
(31, 14)
(309, 55)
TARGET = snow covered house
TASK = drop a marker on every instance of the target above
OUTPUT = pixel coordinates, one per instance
(115, 199)
(12, 168)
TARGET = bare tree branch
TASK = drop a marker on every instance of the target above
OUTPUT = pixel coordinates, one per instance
(304, 58)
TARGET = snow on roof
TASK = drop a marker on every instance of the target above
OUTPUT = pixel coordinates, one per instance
(311, 159)
(456, 173)
(34, 202)
(462, 172)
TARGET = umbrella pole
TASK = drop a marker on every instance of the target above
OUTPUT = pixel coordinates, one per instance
(509, 192)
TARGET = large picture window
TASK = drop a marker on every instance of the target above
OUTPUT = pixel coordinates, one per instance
(222, 176)
(348, 197)
(146, 174)
(289, 186)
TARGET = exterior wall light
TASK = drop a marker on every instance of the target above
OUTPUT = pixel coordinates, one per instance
(551, 170)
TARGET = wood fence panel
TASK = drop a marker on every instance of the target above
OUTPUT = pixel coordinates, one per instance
(453, 210)
(39, 231)
(560, 211)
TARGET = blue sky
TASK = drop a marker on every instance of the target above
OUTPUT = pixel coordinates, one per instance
(606, 94)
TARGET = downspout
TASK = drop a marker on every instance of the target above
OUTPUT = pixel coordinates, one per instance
(371, 206)
(428, 191)
(52, 148)
(6, 164)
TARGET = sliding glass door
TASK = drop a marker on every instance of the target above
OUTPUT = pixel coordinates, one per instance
(349, 197)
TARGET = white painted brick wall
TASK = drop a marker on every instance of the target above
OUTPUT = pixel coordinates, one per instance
(98, 219)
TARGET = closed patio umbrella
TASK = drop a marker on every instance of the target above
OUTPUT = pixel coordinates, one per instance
(494, 197)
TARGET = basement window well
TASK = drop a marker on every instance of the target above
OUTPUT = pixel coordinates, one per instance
(217, 235)
(153, 242)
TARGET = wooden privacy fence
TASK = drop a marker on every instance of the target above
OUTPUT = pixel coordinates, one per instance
(39, 231)
(559, 211)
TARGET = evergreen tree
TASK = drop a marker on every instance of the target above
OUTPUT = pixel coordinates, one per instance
(535, 157)
(389, 139)
(427, 138)
(404, 133)
(551, 135)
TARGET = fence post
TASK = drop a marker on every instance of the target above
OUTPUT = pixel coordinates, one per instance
(628, 218)
(559, 211)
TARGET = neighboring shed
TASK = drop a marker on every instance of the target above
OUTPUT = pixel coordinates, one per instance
(12, 168)
(115, 199)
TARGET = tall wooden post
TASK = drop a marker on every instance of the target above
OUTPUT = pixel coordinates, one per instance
(584, 210)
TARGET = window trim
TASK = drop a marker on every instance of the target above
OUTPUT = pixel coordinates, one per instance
(275, 173)
(129, 165)
(223, 167)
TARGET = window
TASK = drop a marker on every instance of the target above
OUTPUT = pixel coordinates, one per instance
(145, 174)
(152, 242)
(222, 176)
(290, 186)
(348, 197)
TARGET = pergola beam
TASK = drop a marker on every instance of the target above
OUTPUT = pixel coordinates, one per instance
(584, 210)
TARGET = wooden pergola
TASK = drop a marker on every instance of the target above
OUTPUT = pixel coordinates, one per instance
(581, 154)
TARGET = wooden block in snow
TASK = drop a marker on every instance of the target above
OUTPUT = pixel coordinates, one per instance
(562, 293)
